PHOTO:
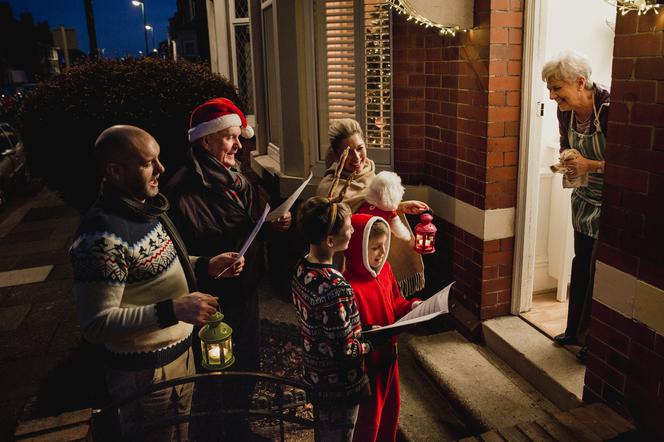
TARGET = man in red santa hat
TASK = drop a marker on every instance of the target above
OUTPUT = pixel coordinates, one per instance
(214, 208)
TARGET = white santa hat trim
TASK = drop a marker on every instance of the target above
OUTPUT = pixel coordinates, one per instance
(215, 115)
(221, 123)
(365, 245)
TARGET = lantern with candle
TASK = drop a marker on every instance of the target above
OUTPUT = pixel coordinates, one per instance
(216, 343)
(425, 234)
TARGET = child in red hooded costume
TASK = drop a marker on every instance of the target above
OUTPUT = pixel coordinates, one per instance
(379, 303)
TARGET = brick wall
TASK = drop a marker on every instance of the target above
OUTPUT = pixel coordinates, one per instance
(626, 362)
(633, 213)
(456, 127)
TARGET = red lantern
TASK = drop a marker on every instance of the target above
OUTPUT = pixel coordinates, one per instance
(425, 235)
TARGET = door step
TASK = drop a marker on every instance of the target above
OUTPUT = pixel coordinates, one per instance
(425, 415)
(554, 371)
(479, 385)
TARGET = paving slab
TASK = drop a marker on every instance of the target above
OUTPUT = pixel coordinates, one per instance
(24, 276)
(21, 378)
(272, 307)
(47, 245)
(49, 213)
(12, 317)
(39, 292)
(488, 392)
(554, 371)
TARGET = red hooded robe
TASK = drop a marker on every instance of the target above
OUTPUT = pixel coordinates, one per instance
(379, 303)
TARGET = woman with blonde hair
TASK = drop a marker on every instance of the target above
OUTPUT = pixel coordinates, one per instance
(347, 133)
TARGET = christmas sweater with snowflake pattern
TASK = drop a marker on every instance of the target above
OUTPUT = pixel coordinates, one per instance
(333, 356)
(126, 274)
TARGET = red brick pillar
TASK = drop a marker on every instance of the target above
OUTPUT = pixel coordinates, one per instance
(456, 117)
(626, 345)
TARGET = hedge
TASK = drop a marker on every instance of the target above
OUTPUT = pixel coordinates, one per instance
(61, 119)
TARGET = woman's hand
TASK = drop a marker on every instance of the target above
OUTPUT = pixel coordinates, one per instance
(412, 207)
(282, 223)
(221, 266)
(580, 165)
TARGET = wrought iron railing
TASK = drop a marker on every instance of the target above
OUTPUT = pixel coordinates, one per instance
(289, 397)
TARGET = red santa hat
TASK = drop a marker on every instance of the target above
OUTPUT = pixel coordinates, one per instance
(215, 115)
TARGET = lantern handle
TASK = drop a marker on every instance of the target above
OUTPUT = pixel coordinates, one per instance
(429, 211)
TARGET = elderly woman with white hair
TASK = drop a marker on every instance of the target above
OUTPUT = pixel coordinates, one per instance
(583, 114)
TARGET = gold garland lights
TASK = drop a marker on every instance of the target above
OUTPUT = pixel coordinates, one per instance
(412, 15)
(640, 6)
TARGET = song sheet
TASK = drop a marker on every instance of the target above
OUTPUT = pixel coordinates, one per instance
(249, 240)
(284, 207)
(429, 309)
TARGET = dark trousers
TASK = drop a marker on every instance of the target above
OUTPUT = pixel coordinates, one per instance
(243, 318)
(581, 287)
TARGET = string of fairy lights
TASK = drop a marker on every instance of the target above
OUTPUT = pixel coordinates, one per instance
(640, 6)
(404, 8)
(624, 6)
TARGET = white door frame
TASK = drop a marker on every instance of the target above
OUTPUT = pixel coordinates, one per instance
(525, 229)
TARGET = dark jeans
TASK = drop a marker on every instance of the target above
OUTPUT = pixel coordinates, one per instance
(581, 287)
(337, 424)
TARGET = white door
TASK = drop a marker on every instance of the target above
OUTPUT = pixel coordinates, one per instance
(543, 243)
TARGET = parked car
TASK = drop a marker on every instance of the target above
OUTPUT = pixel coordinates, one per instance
(13, 166)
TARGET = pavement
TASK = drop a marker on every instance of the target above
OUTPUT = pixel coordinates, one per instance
(38, 326)
(46, 368)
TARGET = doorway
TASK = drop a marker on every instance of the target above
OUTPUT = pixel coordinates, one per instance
(544, 235)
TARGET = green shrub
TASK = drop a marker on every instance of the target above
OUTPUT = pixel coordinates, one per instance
(61, 119)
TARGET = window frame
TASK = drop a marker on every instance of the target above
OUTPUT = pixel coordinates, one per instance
(383, 157)
(233, 23)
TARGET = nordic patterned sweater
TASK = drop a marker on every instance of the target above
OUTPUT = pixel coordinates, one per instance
(333, 357)
(126, 273)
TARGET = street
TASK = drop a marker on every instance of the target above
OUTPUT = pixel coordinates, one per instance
(38, 326)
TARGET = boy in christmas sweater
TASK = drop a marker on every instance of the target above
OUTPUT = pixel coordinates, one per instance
(333, 356)
(379, 303)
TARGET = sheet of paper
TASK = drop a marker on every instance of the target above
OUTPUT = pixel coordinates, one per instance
(432, 307)
(249, 240)
(284, 207)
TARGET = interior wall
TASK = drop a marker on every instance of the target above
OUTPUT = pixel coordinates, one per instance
(585, 26)
(582, 26)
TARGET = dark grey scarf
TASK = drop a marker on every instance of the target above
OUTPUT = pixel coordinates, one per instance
(154, 208)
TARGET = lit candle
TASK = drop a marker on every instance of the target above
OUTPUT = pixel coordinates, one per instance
(427, 242)
(214, 354)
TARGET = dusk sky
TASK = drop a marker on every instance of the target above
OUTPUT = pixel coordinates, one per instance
(119, 24)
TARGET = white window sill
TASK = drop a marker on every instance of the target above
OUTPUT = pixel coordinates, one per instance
(269, 170)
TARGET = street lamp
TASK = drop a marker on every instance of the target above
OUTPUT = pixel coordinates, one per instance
(151, 29)
(145, 31)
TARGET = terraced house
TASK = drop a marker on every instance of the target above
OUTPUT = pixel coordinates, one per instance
(450, 96)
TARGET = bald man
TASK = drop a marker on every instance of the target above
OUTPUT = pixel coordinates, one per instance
(135, 284)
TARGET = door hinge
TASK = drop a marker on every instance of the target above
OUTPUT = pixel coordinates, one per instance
(540, 108)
